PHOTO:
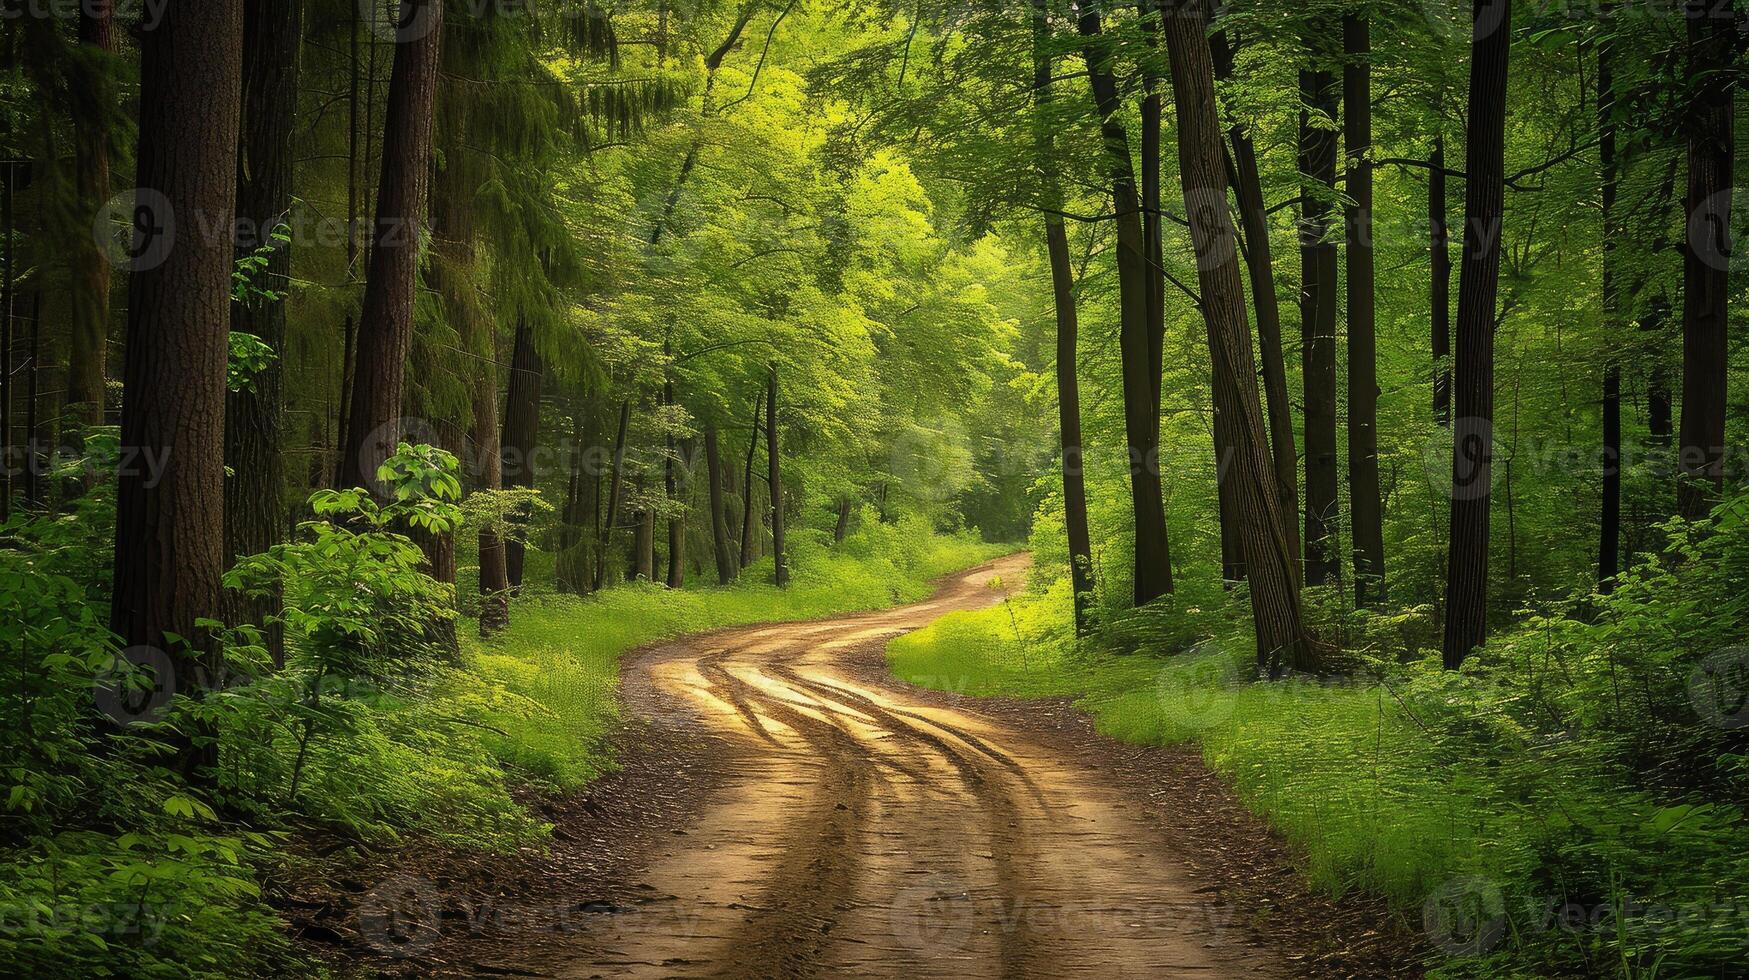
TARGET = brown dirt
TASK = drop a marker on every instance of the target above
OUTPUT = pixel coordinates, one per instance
(789, 810)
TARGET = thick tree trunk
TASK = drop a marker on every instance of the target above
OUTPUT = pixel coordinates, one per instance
(750, 525)
(1609, 523)
(1365, 501)
(775, 482)
(1318, 328)
(1247, 184)
(88, 334)
(169, 543)
(616, 483)
(1282, 641)
(1439, 294)
(386, 324)
(1466, 612)
(1153, 558)
(722, 550)
(255, 492)
(521, 434)
(1706, 267)
(644, 543)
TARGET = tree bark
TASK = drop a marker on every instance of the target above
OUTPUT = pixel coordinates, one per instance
(1706, 266)
(1439, 295)
(88, 336)
(521, 434)
(615, 485)
(1282, 641)
(1466, 614)
(386, 324)
(775, 481)
(1609, 523)
(1365, 501)
(169, 543)
(671, 488)
(1247, 182)
(722, 549)
(255, 492)
(1153, 558)
(1318, 325)
(749, 513)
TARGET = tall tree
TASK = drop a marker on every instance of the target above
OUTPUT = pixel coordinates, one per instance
(1466, 606)
(1153, 557)
(1068, 325)
(1706, 264)
(1439, 286)
(750, 523)
(722, 550)
(169, 538)
(386, 322)
(1365, 502)
(1282, 641)
(255, 491)
(1318, 305)
(521, 435)
(774, 480)
(1609, 524)
(88, 337)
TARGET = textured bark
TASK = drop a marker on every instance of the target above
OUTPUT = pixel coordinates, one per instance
(1318, 327)
(1153, 557)
(775, 481)
(1609, 520)
(1153, 235)
(671, 490)
(1466, 607)
(750, 525)
(644, 543)
(386, 324)
(1706, 266)
(722, 550)
(88, 331)
(169, 544)
(1365, 501)
(1282, 641)
(571, 567)
(521, 433)
(1439, 288)
(255, 492)
(1247, 184)
(1068, 333)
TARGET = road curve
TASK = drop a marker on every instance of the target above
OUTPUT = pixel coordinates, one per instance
(863, 829)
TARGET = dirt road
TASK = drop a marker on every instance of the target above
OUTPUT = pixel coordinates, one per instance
(859, 830)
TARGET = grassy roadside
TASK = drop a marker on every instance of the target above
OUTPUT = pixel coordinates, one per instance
(1520, 843)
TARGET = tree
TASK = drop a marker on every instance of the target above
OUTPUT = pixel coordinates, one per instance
(1318, 306)
(1153, 556)
(774, 480)
(1282, 641)
(1609, 523)
(722, 550)
(169, 542)
(1365, 502)
(522, 404)
(88, 336)
(1706, 264)
(386, 323)
(1466, 607)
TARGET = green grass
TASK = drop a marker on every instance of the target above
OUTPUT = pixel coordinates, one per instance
(560, 658)
(1423, 788)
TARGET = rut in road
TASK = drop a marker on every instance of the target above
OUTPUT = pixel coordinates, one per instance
(868, 830)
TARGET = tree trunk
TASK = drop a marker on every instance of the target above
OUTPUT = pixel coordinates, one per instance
(1609, 524)
(1068, 333)
(775, 481)
(1706, 266)
(1152, 233)
(1153, 558)
(1466, 612)
(671, 488)
(88, 337)
(842, 529)
(1282, 642)
(386, 324)
(615, 484)
(1439, 295)
(255, 491)
(644, 542)
(521, 435)
(749, 512)
(1365, 501)
(1248, 187)
(721, 549)
(1318, 327)
(169, 543)
(571, 567)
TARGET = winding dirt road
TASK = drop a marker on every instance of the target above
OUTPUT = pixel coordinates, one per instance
(861, 829)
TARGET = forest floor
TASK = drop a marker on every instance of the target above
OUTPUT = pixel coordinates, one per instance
(786, 808)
